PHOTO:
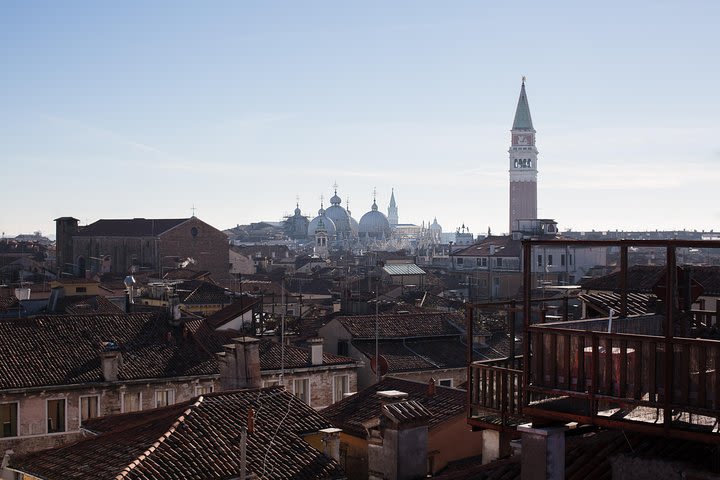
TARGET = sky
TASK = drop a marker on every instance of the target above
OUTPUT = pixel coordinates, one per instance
(240, 108)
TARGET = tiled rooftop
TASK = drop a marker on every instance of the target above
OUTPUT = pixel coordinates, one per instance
(196, 440)
(295, 357)
(350, 413)
(85, 305)
(65, 349)
(588, 457)
(134, 227)
(502, 246)
(603, 301)
(642, 279)
(406, 325)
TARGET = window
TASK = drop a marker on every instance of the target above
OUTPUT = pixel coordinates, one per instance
(270, 383)
(194, 232)
(446, 382)
(562, 259)
(203, 389)
(498, 262)
(8, 420)
(460, 261)
(56, 415)
(131, 402)
(539, 260)
(88, 407)
(80, 289)
(301, 389)
(570, 258)
(550, 260)
(340, 387)
(482, 262)
(342, 347)
(163, 398)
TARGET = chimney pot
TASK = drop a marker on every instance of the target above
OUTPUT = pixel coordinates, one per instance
(431, 388)
(251, 421)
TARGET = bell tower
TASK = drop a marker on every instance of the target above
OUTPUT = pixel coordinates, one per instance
(523, 164)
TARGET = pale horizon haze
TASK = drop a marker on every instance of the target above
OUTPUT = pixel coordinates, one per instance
(150, 108)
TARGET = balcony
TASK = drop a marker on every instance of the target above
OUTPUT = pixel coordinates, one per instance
(647, 373)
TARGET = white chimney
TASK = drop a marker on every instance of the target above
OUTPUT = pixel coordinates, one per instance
(316, 351)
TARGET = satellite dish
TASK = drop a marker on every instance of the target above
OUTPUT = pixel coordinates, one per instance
(383, 365)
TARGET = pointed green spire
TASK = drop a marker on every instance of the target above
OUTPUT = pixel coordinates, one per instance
(522, 121)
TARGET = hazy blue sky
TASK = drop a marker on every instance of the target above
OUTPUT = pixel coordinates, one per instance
(144, 109)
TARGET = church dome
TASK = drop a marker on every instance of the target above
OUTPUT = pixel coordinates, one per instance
(435, 226)
(374, 224)
(327, 224)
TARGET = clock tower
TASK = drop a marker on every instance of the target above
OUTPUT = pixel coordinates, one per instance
(523, 164)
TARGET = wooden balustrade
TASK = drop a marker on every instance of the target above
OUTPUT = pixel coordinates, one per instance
(496, 389)
(625, 367)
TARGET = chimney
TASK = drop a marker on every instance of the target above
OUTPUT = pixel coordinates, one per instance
(431, 388)
(240, 364)
(543, 452)
(316, 351)
(331, 442)
(251, 421)
(397, 441)
(480, 339)
(110, 361)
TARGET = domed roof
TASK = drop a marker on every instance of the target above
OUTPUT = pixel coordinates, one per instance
(327, 223)
(435, 226)
(374, 223)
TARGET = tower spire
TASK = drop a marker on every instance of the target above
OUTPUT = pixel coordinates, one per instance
(522, 121)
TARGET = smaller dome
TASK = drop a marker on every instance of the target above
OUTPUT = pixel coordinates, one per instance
(335, 200)
(322, 223)
(435, 225)
(374, 206)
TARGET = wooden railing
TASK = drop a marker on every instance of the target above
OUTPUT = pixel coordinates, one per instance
(626, 368)
(495, 388)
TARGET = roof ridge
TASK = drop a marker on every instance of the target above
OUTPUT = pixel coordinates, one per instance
(132, 465)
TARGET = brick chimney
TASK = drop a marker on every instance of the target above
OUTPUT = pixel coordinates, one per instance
(240, 364)
(110, 361)
(397, 441)
(316, 351)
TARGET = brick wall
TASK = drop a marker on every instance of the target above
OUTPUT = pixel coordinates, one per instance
(205, 244)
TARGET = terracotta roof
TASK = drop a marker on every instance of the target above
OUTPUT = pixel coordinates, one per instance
(642, 279)
(133, 227)
(199, 439)
(603, 301)
(295, 357)
(350, 412)
(200, 292)
(407, 411)
(502, 246)
(411, 355)
(588, 457)
(85, 305)
(7, 303)
(405, 325)
(65, 349)
(270, 355)
(234, 310)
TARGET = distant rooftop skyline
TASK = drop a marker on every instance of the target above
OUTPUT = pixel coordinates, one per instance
(146, 110)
